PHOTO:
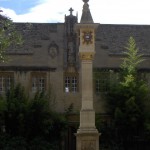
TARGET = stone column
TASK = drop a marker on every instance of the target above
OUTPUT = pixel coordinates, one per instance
(87, 114)
(87, 135)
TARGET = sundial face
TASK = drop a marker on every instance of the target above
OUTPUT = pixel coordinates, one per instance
(87, 37)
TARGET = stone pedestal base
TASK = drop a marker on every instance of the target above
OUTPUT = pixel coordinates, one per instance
(87, 141)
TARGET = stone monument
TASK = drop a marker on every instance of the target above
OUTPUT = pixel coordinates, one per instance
(87, 135)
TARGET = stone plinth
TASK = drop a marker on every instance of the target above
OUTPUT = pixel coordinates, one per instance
(87, 140)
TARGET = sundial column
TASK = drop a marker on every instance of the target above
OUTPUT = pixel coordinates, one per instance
(87, 134)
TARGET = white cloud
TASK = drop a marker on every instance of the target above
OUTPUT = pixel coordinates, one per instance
(8, 12)
(103, 11)
(121, 11)
(45, 11)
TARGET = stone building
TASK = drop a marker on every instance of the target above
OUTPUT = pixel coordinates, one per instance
(48, 59)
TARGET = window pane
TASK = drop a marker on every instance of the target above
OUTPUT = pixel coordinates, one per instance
(6, 80)
(71, 83)
(74, 84)
(38, 83)
(102, 81)
(67, 84)
(7, 83)
(34, 84)
(97, 86)
(41, 82)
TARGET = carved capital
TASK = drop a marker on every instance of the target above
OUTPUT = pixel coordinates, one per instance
(86, 55)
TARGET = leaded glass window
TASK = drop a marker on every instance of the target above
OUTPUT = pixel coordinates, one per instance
(6, 81)
(103, 78)
(102, 82)
(38, 81)
(71, 83)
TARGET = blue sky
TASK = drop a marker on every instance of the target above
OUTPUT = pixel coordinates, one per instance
(103, 11)
(19, 6)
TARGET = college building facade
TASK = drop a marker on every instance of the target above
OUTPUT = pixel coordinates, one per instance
(48, 60)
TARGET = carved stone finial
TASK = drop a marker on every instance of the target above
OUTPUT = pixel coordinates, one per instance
(86, 7)
(85, 1)
(71, 10)
(86, 14)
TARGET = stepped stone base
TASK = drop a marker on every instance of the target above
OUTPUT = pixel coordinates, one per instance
(87, 140)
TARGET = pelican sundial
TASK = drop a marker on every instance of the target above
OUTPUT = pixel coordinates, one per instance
(87, 37)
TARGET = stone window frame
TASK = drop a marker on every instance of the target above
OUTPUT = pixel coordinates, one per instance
(40, 82)
(71, 82)
(6, 81)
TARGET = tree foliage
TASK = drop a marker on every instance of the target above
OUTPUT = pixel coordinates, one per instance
(30, 121)
(8, 36)
(132, 59)
(128, 96)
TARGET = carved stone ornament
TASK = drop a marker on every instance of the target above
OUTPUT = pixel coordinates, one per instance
(87, 37)
(86, 55)
(53, 50)
(88, 145)
(85, 1)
